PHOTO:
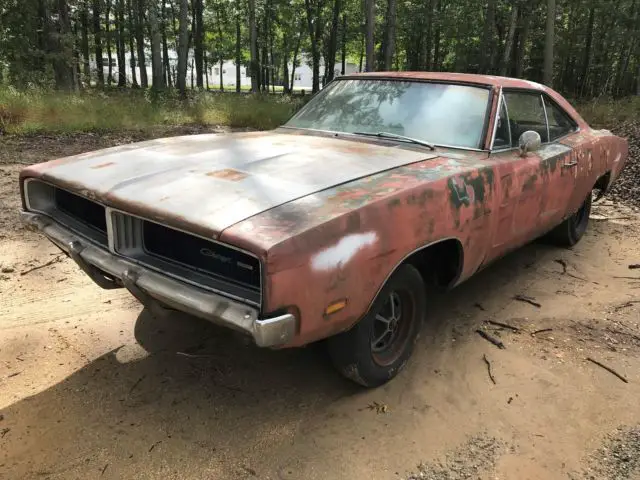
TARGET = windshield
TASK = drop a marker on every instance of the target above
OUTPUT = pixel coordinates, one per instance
(442, 114)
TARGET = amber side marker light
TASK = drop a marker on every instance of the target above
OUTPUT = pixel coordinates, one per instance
(335, 307)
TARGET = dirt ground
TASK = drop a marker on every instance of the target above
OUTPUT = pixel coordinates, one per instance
(91, 386)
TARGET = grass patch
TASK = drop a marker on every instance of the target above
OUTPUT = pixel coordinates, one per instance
(608, 113)
(38, 111)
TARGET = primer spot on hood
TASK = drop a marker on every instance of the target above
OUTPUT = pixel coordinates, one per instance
(343, 251)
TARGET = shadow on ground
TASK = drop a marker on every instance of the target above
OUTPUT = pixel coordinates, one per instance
(221, 408)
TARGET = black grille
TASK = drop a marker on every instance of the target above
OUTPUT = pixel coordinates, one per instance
(86, 211)
(211, 258)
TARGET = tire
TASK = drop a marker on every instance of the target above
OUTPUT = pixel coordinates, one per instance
(379, 345)
(569, 232)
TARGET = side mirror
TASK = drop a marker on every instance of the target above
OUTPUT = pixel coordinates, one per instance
(529, 141)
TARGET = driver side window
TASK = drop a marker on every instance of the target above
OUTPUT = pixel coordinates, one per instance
(526, 112)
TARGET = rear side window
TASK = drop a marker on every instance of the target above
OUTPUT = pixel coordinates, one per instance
(560, 124)
(526, 112)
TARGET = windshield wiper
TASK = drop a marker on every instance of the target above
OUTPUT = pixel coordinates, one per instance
(396, 136)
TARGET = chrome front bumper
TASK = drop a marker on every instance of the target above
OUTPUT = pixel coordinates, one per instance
(157, 291)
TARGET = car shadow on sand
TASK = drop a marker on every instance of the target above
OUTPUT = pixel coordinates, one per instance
(203, 399)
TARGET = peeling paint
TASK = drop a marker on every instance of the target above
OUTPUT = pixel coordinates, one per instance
(343, 251)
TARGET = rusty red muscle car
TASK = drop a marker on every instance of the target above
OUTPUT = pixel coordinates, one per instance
(333, 225)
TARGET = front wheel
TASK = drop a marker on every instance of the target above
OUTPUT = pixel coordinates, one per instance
(379, 345)
(569, 232)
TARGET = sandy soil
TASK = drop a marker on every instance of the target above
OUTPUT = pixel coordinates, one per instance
(91, 386)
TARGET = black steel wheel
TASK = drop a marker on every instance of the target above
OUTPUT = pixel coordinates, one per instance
(379, 345)
(569, 232)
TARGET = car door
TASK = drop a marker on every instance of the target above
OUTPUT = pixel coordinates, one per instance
(534, 189)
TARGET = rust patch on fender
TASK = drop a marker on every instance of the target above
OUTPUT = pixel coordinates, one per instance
(228, 174)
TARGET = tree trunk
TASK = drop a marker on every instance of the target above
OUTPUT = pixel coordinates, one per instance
(156, 40)
(238, 54)
(77, 74)
(198, 38)
(107, 30)
(509, 42)
(314, 24)
(272, 65)
(166, 68)
(362, 48)
(183, 47)
(253, 33)
(134, 74)
(122, 63)
(63, 60)
(206, 73)
(487, 37)
(97, 38)
(333, 41)
(221, 75)
(370, 12)
(285, 64)
(265, 56)
(523, 38)
(344, 44)
(427, 51)
(84, 20)
(139, 28)
(548, 43)
(390, 35)
(587, 50)
(436, 41)
(295, 54)
(43, 35)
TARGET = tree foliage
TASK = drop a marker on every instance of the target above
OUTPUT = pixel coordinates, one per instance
(584, 48)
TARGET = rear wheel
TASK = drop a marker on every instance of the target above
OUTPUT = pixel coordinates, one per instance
(569, 232)
(378, 347)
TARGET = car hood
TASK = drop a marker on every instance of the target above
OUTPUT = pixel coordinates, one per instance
(213, 181)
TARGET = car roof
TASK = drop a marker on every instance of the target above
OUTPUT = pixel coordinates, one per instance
(488, 80)
(491, 81)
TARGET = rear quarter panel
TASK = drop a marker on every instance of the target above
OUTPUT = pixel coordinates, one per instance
(598, 153)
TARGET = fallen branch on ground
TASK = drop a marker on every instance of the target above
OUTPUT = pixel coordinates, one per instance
(529, 300)
(626, 304)
(565, 272)
(542, 331)
(490, 339)
(484, 357)
(503, 325)
(563, 263)
(634, 266)
(154, 445)
(56, 259)
(133, 387)
(192, 355)
(628, 278)
(608, 369)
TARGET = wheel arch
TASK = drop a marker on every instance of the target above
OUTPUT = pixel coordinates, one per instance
(439, 263)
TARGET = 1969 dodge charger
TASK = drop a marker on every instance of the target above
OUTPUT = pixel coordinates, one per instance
(334, 225)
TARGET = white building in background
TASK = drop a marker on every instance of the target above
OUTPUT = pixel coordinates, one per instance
(303, 77)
